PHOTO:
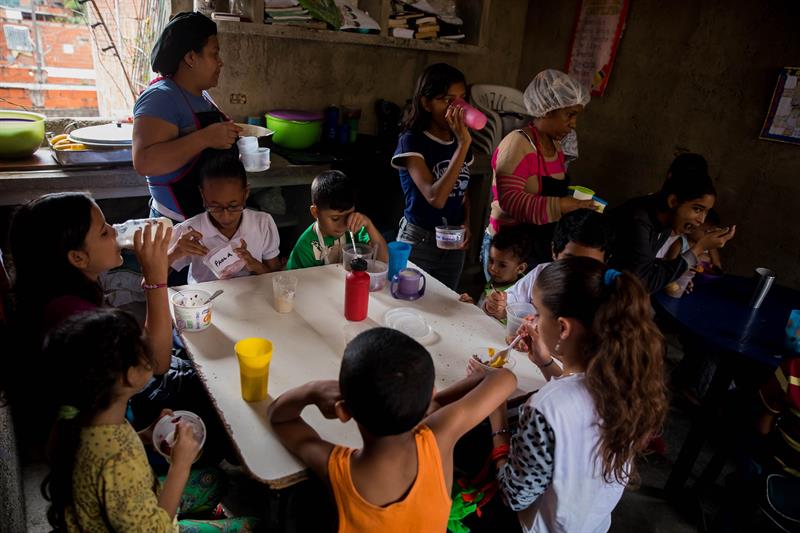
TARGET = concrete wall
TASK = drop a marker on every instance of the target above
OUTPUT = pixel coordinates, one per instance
(285, 73)
(699, 76)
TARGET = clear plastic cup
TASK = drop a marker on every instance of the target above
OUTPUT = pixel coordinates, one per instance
(450, 237)
(257, 161)
(515, 314)
(247, 145)
(362, 250)
(284, 288)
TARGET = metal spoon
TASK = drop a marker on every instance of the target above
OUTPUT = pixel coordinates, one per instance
(216, 293)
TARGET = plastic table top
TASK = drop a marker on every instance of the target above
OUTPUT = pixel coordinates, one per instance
(718, 312)
(308, 345)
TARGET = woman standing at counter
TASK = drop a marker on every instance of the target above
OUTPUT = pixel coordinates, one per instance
(176, 122)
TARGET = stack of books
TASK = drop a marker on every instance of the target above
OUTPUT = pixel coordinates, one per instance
(231, 17)
(407, 22)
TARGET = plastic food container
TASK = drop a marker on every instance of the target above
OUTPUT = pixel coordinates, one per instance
(257, 160)
(449, 237)
(582, 193)
(191, 313)
(295, 129)
(515, 313)
(247, 145)
(164, 432)
(377, 271)
(365, 251)
(21, 133)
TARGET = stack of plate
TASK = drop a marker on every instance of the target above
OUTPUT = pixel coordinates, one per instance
(116, 135)
(408, 321)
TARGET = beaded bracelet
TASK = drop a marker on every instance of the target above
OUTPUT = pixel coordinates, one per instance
(501, 432)
(500, 452)
(149, 286)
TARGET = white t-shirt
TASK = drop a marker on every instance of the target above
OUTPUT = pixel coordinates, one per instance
(257, 229)
(522, 290)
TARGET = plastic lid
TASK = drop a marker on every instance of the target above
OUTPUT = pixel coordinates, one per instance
(292, 114)
(359, 265)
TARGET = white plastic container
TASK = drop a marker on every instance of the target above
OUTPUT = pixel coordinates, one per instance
(126, 230)
(247, 145)
(582, 193)
(164, 432)
(377, 271)
(257, 161)
(191, 311)
(515, 313)
(450, 237)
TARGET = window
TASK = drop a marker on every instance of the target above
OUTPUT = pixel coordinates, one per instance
(18, 38)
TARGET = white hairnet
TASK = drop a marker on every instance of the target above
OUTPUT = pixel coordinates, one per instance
(552, 89)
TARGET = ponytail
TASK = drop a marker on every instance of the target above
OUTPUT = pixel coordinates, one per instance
(624, 355)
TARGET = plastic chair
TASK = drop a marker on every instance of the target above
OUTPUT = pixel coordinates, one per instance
(497, 102)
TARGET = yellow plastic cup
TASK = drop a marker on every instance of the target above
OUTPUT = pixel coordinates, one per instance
(254, 356)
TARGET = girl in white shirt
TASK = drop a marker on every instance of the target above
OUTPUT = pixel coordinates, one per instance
(566, 466)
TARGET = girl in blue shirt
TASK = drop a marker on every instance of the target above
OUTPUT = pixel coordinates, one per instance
(433, 158)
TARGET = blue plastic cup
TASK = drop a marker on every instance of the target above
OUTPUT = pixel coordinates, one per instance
(398, 257)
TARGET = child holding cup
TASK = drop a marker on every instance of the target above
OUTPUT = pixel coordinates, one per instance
(433, 158)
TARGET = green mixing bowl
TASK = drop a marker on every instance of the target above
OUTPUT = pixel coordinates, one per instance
(21, 133)
(295, 129)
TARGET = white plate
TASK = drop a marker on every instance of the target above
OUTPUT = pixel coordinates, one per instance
(408, 321)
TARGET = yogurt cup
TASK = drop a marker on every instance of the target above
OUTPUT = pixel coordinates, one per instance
(450, 237)
(191, 311)
(582, 193)
(164, 432)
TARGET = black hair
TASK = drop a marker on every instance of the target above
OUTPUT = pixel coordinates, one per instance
(223, 166)
(434, 81)
(89, 353)
(586, 227)
(333, 190)
(688, 179)
(42, 234)
(185, 32)
(386, 381)
(516, 239)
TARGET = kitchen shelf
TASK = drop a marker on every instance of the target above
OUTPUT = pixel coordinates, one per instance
(344, 37)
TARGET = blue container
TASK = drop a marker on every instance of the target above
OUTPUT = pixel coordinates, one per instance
(399, 253)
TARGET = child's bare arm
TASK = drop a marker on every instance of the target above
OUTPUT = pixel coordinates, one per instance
(273, 265)
(470, 402)
(294, 433)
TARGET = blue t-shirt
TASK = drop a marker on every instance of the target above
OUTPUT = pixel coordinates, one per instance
(437, 155)
(168, 102)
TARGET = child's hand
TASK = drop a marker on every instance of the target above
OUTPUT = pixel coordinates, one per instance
(251, 263)
(477, 367)
(530, 342)
(151, 251)
(455, 119)
(190, 243)
(495, 304)
(186, 446)
(466, 298)
(326, 396)
(357, 220)
(715, 239)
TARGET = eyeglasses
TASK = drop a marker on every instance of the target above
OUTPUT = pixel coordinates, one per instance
(215, 210)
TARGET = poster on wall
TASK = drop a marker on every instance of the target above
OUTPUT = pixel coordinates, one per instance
(783, 118)
(598, 30)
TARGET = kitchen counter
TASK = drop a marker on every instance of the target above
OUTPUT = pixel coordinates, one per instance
(20, 186)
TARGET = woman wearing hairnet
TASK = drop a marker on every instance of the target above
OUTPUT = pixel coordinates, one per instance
(530, 180)
(175, 121)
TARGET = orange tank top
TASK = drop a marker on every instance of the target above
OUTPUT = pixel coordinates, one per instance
(425, 508)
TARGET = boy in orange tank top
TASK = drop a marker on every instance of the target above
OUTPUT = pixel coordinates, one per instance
(401, 479)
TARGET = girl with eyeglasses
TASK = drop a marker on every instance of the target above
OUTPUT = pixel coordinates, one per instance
(252, 235)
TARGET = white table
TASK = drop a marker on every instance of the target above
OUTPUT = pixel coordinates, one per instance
(308, 345)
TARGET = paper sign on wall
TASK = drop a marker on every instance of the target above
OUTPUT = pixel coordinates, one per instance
(598, 29)
(783, 118)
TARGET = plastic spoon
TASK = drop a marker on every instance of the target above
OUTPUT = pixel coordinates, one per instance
(216, 293)
(353, 241)
(501, 355)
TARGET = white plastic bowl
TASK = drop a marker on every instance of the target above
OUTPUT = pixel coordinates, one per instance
(164, 432)
(191, 314)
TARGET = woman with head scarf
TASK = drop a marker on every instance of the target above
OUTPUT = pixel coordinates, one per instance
(530, 180)
(176, 123)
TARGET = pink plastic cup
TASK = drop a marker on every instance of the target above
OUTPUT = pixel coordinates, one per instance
(472, 117)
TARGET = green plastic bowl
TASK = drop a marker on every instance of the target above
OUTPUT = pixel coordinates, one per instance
(294, 134)
(21, 133)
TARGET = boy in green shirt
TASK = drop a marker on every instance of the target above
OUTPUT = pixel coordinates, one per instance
(333, 199)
